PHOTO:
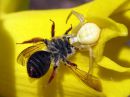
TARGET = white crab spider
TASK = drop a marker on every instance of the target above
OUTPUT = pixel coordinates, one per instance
(87, 35)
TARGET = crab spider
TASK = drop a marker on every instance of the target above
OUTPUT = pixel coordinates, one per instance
(87, 34)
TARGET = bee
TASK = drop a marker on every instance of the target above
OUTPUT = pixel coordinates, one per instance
(58, 50)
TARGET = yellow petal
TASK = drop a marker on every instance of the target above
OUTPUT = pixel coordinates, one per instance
(25, 25)
(124, 56)
(115, 84)
(102, 8)
(124, 7)
(123, 18)
(114, 76)
(110, 29)
(111, 65)
(121, 45)
(115, 71)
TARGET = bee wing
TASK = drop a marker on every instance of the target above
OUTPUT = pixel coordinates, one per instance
(26, 53)
(88, 79)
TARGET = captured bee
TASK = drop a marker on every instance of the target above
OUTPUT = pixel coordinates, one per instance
(58, 49)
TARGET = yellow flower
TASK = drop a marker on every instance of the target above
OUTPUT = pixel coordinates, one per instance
(21, 26)
(118, 51)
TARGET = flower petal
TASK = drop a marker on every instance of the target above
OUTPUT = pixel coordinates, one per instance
(124, 7)
(111, 65)
(118, 49)
(25, 25)
(103, 8)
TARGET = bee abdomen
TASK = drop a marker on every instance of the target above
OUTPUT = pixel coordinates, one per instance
(38, 64)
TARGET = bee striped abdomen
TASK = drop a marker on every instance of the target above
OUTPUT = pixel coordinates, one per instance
(38, 64)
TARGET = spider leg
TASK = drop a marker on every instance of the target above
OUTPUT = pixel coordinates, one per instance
(52, 29)
(78, 15)
(91, 55)
(90, 61)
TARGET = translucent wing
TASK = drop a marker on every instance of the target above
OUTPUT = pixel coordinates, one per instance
(88, 79)
(26, 53)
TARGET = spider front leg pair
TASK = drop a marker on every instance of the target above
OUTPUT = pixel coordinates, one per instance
(87, 34)
(91, 55)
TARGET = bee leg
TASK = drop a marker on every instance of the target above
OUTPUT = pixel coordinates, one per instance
(67, 31)
(33, 40)
(52, 29)
(52, 74)
(71, 64)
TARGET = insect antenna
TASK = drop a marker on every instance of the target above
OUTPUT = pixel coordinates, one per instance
(33, 40)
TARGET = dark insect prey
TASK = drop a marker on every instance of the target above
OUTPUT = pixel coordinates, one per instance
(57, 49)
